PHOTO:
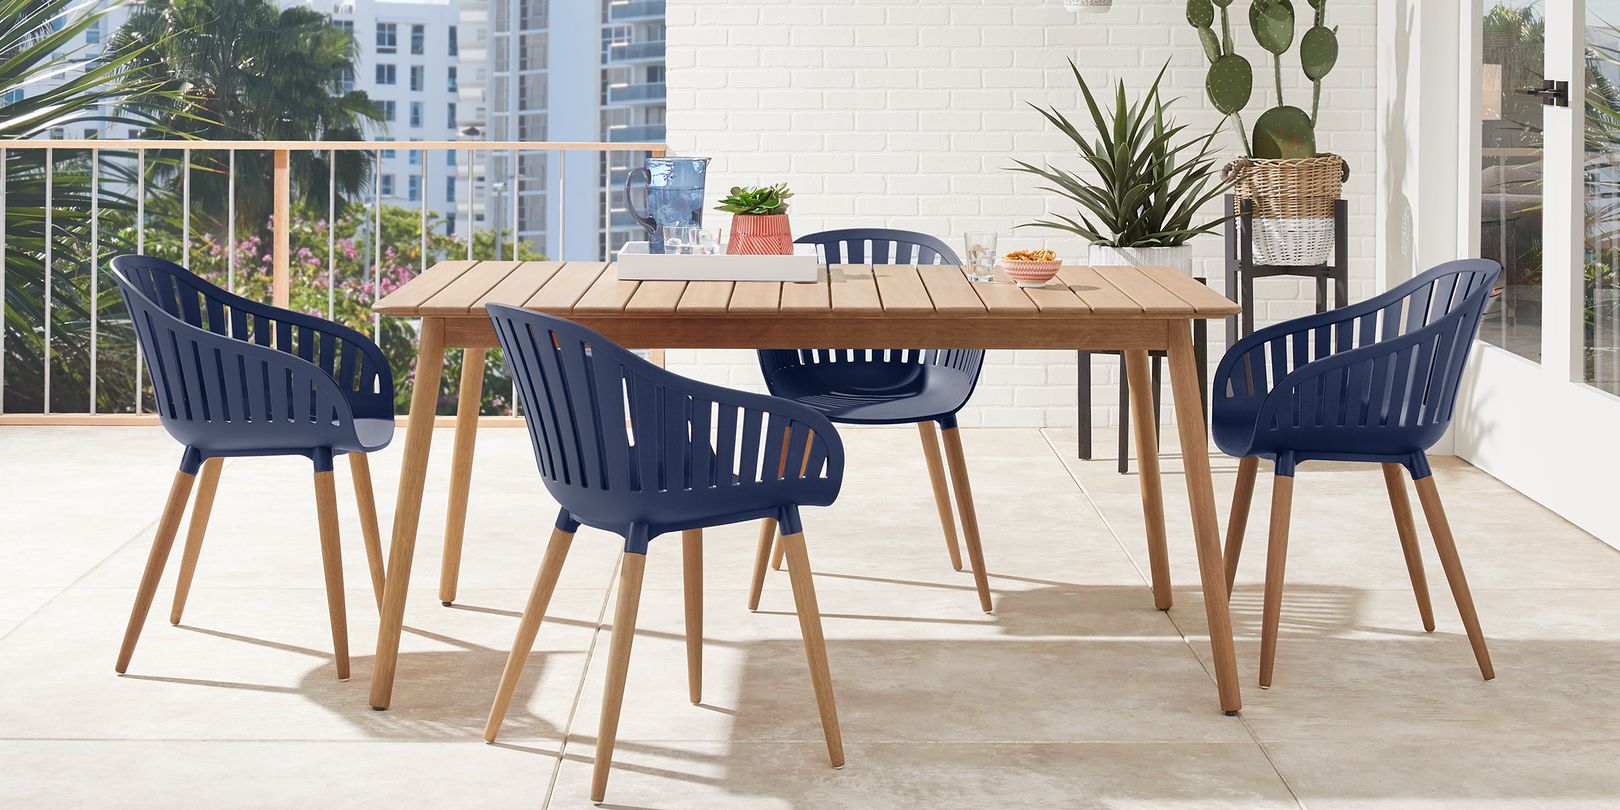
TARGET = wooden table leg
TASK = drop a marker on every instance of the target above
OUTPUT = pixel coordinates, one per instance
(408, 507)
(1201, 497)
(1147, 452)
(461, 458)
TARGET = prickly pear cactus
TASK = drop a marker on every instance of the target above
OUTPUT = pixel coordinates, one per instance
(1283, 131)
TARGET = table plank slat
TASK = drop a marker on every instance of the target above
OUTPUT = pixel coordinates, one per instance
(807, 296)
(519, 286)
(854, 290)
(459, 296)
(406, 300)
(755, 297)
(901, 289)
(1003, 297)
(706, 296)
(559, 295)
(608, 294)
(1197, 295)
(656, 296)
(1142, 289)
(1103, 298)
(950, 290)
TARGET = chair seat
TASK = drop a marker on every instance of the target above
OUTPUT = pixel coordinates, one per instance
(875, 393)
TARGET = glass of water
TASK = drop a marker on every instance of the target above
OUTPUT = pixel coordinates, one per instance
(681, 239)
(711, 241)
(981, 256)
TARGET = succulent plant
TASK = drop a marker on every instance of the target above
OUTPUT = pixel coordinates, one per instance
(756, 200)
(1282, 131)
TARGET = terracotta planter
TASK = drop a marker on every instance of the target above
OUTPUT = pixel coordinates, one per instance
(760, 235)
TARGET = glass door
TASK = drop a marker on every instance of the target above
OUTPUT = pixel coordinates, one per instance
(1513, 38)
(1600, 288)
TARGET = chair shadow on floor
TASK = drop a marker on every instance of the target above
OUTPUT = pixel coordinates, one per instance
(1057, 662)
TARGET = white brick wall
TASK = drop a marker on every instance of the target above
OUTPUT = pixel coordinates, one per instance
(906, 113)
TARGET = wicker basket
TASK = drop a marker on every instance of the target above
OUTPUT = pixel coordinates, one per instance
(1293, 206)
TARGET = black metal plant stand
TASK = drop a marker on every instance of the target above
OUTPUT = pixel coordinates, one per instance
(1241, 271)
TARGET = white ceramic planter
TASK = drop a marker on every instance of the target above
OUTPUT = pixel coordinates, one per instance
(1179, 257)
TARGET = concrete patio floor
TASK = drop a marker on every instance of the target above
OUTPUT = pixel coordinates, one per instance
(1075, 693)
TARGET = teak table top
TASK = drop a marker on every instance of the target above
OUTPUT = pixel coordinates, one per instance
(929, 304)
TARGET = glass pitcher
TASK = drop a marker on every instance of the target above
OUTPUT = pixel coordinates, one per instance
(674, 195)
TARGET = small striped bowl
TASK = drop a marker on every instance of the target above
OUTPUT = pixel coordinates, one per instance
(1031, 274)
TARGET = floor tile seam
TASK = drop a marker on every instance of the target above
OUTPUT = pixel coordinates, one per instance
(584, 678)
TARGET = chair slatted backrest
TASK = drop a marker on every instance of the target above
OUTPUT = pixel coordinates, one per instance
(1391, 362)
(617, 438)
(350, 359)
(877, 246)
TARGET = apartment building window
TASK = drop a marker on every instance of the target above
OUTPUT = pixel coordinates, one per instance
(387, 38)
(655, 73)
(418, 39)
(387, 109)
(414, 156)
(450, 158)
(413, 188)
(345, 79)
(416, 113)
(14, 96)
(387, 187)
(387, 74)
(450, 189)
(92, 35)
(450, 115)
(450, 224)
(418, 78)
(454, 50)
(346, 26)
(450, 78)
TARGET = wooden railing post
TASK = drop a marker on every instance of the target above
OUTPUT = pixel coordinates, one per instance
(281, 223)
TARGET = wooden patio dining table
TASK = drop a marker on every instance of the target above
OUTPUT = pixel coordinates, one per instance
(1132, 309)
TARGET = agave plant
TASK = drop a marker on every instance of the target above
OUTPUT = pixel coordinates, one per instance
(1150, 185)
(756, 200)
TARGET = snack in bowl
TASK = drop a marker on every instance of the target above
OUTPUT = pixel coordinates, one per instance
(1032, 268)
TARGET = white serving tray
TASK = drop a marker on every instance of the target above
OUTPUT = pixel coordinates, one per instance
(636, 264)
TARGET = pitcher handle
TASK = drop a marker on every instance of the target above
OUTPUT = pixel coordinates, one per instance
(629, 199)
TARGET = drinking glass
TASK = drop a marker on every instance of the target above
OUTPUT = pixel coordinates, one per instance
(681, 239)
(981, 256)
(711, 241)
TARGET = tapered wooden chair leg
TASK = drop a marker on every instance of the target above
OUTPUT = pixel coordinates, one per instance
(1396, 484)
(762, 556)
(942, 493)
(1282, 502)
(332, 562)
(370, 529)
(1435, 513)
(964, 505)
(545, 583)
(776, 557)
(1238, 521)
(207, 483)
(815, 645)
(469, 399)
(162, 542)
(624, 634)
(692, 582)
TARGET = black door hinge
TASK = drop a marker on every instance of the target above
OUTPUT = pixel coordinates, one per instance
(1550, 92)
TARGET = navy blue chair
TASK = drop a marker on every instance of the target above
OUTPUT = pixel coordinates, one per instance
(632, 449)
(886, 387)
(1373, 382)
(233, 377)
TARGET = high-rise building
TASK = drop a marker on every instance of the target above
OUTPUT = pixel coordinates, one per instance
(583, 70)
(409, 62)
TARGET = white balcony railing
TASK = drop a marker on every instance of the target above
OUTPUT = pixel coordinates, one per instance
(73, 204)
